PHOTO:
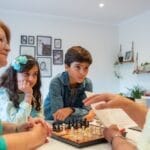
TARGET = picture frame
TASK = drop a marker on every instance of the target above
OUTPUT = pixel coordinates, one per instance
(31, 40)
(27, 50)
(44, 45)
(57, 43)
(23, 39)
(128, 56)
(57, 57)
(45, 64)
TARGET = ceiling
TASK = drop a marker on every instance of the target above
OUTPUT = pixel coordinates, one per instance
(114, 11)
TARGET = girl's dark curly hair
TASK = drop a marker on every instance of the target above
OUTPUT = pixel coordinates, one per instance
(9, 81)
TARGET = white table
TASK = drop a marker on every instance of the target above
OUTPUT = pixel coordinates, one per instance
(57, 145)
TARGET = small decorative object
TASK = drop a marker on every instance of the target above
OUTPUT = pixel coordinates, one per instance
(57, 57)
(31, 40)
(120, 56)
(117, 75)
(57, 43)
(44, 45)
(23, 39)
(27, 50)
(132, 49)
(45, 64)
(128, 56)
(136, 66)
(145, 66)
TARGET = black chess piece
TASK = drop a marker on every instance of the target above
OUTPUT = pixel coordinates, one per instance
(54, 126)
(69, 125)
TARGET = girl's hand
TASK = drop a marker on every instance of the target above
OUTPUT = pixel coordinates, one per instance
(25, 87)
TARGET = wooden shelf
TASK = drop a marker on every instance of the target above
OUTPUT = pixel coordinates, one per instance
(130, 61)
(124, 62)
(140, 71)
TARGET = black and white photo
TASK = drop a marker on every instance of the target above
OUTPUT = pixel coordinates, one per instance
(45, 64)
(57, 57)
(27, 50)
(44, 45)
(57, 43)
(128, 56)
(31, 40)
(23, 39)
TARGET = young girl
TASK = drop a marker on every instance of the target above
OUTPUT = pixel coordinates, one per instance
(20, 95)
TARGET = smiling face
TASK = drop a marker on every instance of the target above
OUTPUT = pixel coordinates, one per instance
(77, 72)
(28, 76)
(4, 48)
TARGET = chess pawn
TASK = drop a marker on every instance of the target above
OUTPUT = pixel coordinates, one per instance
(69, 125)
(80, 134)
(72, 131)
(54, 127)
(64, 128)
(98, 130)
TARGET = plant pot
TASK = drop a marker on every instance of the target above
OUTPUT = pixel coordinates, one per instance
(120, 59)
(140, 101)
(147, 100)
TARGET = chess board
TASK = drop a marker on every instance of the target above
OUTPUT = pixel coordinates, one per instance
(78, 135)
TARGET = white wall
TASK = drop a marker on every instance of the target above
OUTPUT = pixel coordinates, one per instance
(137, 30)
(100, 40)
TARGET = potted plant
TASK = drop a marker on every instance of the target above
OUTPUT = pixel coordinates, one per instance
(137, 92)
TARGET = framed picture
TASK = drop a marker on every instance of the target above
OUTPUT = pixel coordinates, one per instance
(128, 56)
(27, 50)
(31, 40)
(23, 39)
(57, 43)
(45, 64)
(44, 45)
(57, 57)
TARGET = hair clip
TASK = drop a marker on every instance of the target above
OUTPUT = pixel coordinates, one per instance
(18, 62)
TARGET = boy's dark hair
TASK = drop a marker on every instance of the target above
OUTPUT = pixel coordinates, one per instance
(9, 80)
(77, 54)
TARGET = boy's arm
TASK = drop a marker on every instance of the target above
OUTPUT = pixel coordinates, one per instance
(85, 109)
(88, 85)
(54, 100)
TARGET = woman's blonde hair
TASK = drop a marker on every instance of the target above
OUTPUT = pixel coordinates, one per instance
(6, 30)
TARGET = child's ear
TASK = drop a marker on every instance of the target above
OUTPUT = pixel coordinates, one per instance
(66, 66)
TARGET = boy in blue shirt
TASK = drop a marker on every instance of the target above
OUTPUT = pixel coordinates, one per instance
(67, 89)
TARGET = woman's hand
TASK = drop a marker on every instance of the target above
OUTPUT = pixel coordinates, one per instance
(33, 121)
(38, 132)
(109, 101)
(90, 116)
